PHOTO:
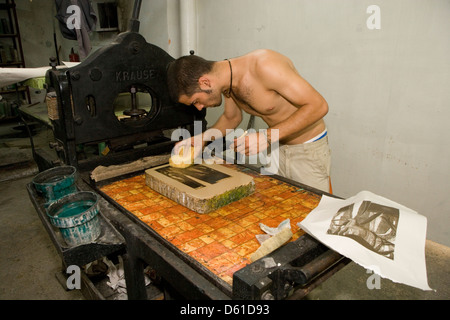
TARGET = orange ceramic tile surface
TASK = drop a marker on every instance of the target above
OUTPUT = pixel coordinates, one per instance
(224, 239)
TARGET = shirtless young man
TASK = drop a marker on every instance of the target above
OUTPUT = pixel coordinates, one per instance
(266, 84)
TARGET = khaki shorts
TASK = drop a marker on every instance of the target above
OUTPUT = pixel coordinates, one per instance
(307, 163)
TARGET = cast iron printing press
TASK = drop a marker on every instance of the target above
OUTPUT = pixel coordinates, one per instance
(86, 115)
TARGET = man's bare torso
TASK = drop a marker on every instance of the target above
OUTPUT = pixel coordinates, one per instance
(256, 96)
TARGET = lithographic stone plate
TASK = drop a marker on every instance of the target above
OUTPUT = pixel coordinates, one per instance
(201, 188)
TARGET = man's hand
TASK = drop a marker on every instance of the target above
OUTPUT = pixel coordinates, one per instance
(186, 144)
(251, 143)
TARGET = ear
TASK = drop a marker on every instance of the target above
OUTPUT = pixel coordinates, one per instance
(204, 83)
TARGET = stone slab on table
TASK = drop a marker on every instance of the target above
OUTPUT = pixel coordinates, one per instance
(201, 188)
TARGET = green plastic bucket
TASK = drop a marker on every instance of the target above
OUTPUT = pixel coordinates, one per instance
(76, 216)
(56, 183)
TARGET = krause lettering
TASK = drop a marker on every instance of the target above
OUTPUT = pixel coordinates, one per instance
(133, 75)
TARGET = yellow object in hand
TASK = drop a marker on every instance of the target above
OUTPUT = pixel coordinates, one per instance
(184, 158)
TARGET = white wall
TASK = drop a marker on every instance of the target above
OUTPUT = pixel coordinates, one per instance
(36, 22)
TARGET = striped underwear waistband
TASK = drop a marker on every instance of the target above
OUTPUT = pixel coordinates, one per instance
(318, 137)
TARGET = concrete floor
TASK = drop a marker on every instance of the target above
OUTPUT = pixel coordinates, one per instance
(29, 262)
(28, 259)
(351, 282)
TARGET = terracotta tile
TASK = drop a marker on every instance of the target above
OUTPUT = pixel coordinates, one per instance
(165, 222)
(217, 222)
(256, 204)
(185, 216)
(246, 201)
(175, 218)
(246, 210)
(167, 203)
(204, 228)
(198, 219)
(290, 202)
(219, 264)
(222, 234)
(169, 232)
(187, 236)
(184, 226)
(207, 239)
(198, 257)
(254, 229)
(234, 216)
(238, 205)
(135, 197)
(153, 216)
(178, 209)
(197, 243)
(191, 245)
(272, 212)
(242, 237)
(298, 207)
(151, 209)
(272, 222)
(263, 185)
(229, 244)
(138, 214)
(212, 250)
(186, 247)
(260, 214)
(229, 273)
(120, 195)
(232, 258)
(247, 248)
(224, 211)
(153, 224)
(247, 221)
(235, 228)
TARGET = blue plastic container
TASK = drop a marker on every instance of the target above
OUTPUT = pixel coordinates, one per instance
(56, 183)
(76, 216)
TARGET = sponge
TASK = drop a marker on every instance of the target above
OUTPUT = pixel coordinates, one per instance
(184, 158)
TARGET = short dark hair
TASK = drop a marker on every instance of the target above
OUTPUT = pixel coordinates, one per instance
(183, 75)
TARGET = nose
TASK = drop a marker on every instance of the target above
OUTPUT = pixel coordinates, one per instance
(199, 106)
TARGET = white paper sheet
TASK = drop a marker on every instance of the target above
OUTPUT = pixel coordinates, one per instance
(374, 232)
(10, 76)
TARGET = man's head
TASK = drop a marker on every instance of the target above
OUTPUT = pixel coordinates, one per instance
(185, 78)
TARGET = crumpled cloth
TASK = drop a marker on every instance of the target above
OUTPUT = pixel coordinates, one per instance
(269, 231)
(272, 239)
(116, 277)
(87, 23)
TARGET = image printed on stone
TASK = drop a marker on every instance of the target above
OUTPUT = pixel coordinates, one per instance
(198, 172)
(374, 226)
(178, 175)
(205, 174)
